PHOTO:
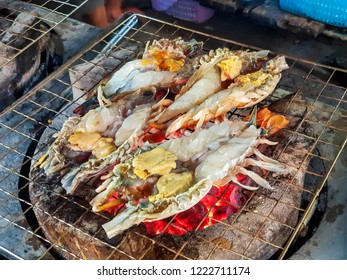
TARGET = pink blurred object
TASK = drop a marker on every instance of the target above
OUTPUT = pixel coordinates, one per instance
(188, 10)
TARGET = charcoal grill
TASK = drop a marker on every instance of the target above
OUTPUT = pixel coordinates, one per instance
(52, 13)
(22, 124)
(36, 37)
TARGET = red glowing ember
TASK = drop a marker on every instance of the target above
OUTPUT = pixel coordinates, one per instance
(219, 204)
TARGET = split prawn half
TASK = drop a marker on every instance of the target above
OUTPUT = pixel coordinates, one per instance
(96, 135)
(177, 177)
(164, 64)
(216, 67)
(245, 91)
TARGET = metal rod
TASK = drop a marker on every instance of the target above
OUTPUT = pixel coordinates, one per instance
(128, 25)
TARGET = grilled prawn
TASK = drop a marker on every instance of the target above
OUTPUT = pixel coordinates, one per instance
(95, 135)
(246, 91)
(216, 67)
(164, 64)
(173, 178)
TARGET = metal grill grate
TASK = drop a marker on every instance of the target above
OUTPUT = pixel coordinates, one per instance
(22, 124)
(51, 13)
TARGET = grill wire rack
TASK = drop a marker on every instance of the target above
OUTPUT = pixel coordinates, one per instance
(51, 13)
(27, 118)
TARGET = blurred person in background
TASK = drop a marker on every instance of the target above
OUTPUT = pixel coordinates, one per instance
(101, 13)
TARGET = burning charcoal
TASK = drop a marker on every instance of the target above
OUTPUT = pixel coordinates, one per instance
(221, 212)
(189, 219)
(155, 227)
(237, 196)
